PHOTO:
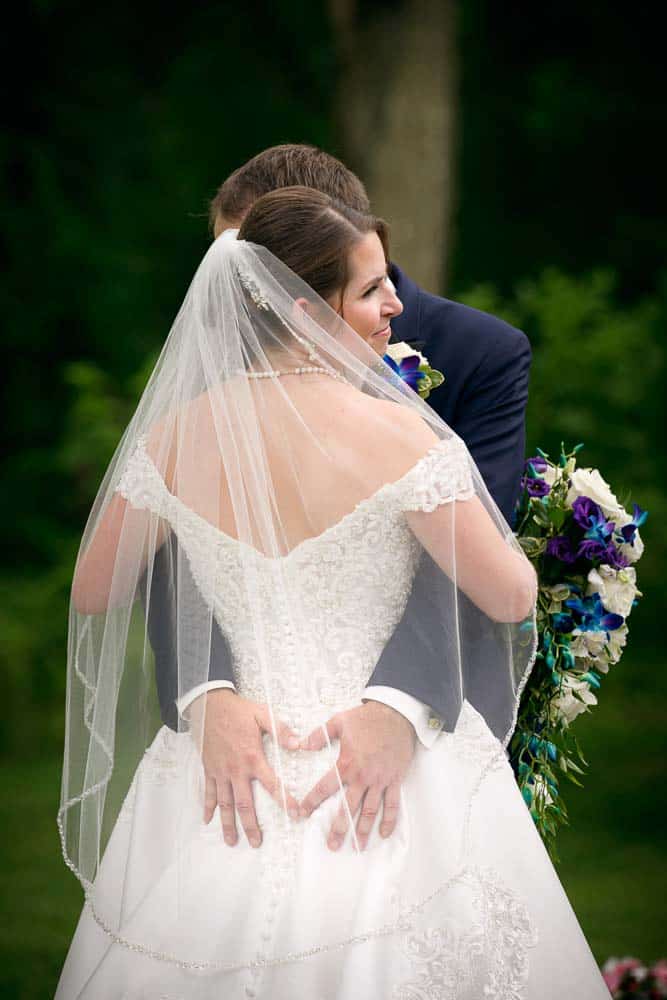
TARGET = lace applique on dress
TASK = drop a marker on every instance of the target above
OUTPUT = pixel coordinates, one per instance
(443, 959)
(508, 926)
(487, 958)
(141, 483)
(442, 475)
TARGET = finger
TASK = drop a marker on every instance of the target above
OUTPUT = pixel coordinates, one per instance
(210, 798)
(317, 740)
(227, 814)
(369, 811)
(392, 799)
(245, 807)
(326, 786)
(285, 736)
(341, 822)
(279, 793)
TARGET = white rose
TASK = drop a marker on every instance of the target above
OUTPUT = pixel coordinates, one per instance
(402, 350)
(575, 697)
(621, 518)
(579, 648)
(616, 643)
(617, 588)
(587, 643)
(589, 483)
(632, 552)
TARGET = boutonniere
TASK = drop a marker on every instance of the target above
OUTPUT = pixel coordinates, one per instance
(413, 368)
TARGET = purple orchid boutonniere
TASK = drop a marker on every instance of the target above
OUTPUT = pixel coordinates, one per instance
(410, 365)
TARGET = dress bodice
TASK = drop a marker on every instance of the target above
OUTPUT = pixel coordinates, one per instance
(325, 610)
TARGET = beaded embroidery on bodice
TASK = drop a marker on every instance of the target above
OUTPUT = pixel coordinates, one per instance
(348, 589)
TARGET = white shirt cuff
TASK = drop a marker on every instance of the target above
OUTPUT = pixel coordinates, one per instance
(426, 724)
(186, 700)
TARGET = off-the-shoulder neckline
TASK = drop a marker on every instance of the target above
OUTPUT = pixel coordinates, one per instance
(362, 504)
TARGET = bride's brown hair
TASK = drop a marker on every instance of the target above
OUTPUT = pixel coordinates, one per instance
(312, 234)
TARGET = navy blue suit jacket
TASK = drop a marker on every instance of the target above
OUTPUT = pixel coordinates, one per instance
(486, 365)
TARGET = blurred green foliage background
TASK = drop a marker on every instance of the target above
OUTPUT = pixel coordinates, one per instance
(123, 125)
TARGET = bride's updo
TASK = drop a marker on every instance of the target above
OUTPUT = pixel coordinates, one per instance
(312, 234)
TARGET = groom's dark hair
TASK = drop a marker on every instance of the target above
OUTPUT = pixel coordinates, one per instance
(289, 165)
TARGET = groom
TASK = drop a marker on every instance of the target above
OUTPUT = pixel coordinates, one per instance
(483, 399)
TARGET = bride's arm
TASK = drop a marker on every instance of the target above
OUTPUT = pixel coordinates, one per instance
(108, 569)
(463, 540)
(116, 556)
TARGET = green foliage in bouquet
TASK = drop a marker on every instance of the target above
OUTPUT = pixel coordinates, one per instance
(583, 543)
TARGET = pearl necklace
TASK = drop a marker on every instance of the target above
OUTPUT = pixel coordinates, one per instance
(304, 369)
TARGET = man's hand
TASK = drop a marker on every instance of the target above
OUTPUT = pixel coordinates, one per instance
(233, 756)
(376, 748)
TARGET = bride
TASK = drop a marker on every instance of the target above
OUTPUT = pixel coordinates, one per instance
(293, 484)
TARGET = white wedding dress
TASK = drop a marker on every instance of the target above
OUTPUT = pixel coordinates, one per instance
(462, 902)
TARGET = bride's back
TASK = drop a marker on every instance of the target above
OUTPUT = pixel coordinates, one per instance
(326, 448)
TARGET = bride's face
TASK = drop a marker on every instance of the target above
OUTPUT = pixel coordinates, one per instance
(369, 299)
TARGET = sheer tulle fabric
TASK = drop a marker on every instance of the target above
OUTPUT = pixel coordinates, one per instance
(291, 514)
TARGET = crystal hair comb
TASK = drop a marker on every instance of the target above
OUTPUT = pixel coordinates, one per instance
(253, 289)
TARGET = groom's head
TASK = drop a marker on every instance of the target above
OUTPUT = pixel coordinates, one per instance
(284, 166)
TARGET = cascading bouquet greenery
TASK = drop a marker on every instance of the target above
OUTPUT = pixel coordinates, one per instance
(583, 543)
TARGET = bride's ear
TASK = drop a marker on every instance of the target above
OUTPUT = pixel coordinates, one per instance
(302, 305)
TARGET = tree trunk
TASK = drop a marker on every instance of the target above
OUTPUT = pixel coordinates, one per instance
(396, 110)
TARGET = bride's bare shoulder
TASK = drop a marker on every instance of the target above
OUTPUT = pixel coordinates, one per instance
(393, 437)
(399, 420)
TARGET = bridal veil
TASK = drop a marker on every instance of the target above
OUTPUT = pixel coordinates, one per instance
(226, 460)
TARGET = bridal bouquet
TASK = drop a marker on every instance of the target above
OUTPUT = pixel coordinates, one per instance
(583, 544)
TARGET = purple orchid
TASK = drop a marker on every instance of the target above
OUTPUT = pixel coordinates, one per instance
(532, 481)
(535, 487)
(560, 547)
(536, 465)
(614, 558)
(583, 509)
(592, 549)
(591, 615)
(596, 543)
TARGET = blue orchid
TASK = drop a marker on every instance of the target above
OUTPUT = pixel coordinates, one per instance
(562, 622)
(599, 528)
(628, 531)
(592, 678)
(407, 369)
(591, 614)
